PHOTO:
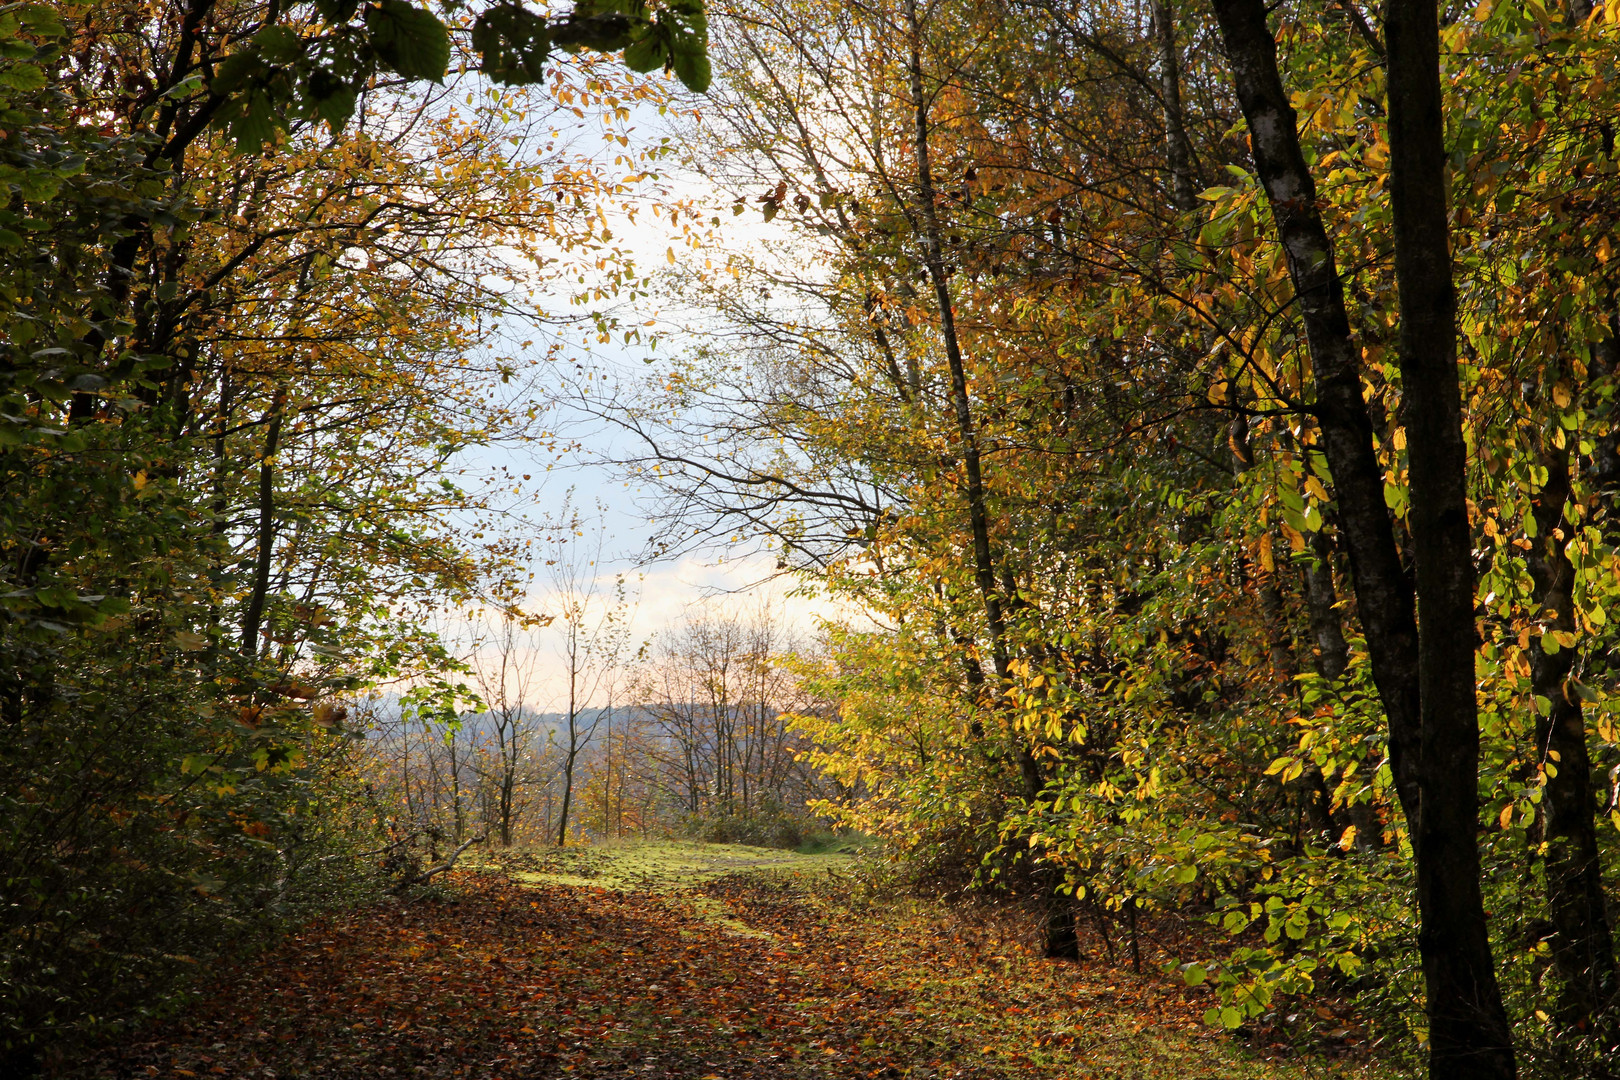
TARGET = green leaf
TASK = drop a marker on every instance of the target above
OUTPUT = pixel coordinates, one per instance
(336, 108)
(513, 44)
(38, 187)
(692, 68)
(687, 28)
(645, 54)
(605, 31)
(254, 124)
(24, 77)
(1582, 691)
(332, 99)
(409, 40)
(42, 20)
(338, 11)
(278, 44)
(234, 71)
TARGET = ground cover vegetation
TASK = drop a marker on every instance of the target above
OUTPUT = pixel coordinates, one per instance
(680, 960)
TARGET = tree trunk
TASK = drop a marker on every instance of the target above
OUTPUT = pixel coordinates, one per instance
(254, 615)
(1583, 951)
(1332, 658)
(1383, 593)
(966, 430)
(567, 798)
(1060, 939)
(1274, 614)
(1426, 686)
(1177, 147)
(1332, 652)
(1468, 1027)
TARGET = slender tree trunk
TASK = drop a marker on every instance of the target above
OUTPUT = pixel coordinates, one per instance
(1061, 942)
(570, 757)
(1468, 1027)
(1583, 951)
(607, 776)
(1383, 592)
(966, 430)
(1322, 599)
(1274, 613)
(1332, 658)
(1426, 687)
(567, 798)
(1177, 147)
(508, 797)
(254, 615)
(458, 817)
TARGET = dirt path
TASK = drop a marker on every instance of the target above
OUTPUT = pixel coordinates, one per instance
(706, 975)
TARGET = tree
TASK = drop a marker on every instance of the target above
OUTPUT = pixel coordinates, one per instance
(504, 659)
(1436, 750)
(236, 345)
(591, 616)
(1203, 442)
(717, 701)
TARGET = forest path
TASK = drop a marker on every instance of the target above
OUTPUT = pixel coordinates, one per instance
(677, 972)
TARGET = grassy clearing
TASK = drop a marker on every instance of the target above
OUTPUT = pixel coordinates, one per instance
(680, 961)
(1018, 1012)
(659, 865)
(672, 869)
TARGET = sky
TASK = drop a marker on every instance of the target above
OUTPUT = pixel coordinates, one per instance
(614, 510)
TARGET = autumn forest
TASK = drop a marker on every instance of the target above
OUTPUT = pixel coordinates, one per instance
(1186, 436)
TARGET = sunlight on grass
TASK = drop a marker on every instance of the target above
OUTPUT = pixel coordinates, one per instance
(655, 865)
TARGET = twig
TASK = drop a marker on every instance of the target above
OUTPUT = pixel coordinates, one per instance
(422, 876)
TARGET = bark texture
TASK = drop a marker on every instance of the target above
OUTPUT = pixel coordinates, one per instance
(1583, 949)
(1468, 1028)
(1383, 593)
(1426, 684)
(253, 616)
(1178, 147)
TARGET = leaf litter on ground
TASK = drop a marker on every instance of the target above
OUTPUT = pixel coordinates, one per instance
(678, 963)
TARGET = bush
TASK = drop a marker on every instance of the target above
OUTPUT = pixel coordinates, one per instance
(767, 825)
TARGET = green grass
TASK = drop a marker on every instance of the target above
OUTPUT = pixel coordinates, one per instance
(657, 865)
(831, 843)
